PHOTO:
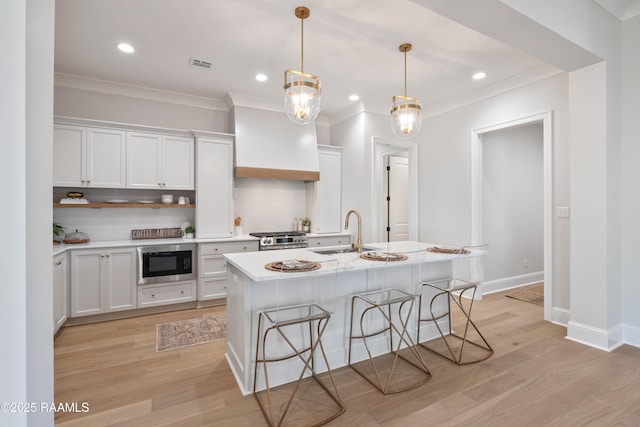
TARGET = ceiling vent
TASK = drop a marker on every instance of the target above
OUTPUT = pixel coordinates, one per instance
(199, 63)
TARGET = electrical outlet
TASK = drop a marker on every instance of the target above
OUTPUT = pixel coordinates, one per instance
(562, 212)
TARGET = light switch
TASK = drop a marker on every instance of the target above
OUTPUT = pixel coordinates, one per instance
(562, 212)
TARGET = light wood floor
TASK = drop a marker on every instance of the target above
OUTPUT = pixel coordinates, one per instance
(535, 378)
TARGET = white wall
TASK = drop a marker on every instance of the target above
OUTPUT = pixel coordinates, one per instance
(513, 222)
(89, 104)
(26, 48)
(630, 250)
(445, 162)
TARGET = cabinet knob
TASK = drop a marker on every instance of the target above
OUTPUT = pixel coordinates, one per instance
(153, 295)
(244, 248)
(59, 263)
(182, 292)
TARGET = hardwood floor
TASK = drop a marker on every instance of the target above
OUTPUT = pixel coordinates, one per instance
(535, 378)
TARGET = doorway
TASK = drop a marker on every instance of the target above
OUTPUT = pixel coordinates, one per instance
(406, 201)
(396, 183)
(480, 197)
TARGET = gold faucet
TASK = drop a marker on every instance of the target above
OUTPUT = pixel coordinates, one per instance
(358, 244)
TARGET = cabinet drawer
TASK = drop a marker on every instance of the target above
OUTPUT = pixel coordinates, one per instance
(228, 247)
(212, 289)
(318, 242)
(212, 265)
(174, 293)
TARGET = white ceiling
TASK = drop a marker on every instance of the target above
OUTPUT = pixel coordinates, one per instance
(352, 45)
(621, 9)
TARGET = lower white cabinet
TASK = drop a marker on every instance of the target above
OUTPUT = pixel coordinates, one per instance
(320, 242)
(212, 277)
(103, 281)
(166, 293)
(60, 285)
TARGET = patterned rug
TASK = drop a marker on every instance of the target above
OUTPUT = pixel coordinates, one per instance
(533, 294)
(184, 333)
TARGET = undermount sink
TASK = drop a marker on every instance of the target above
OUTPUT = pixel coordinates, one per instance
(341, 250)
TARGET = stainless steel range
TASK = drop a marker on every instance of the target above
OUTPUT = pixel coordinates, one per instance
(281, 240)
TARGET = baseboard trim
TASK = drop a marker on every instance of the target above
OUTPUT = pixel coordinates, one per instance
(507, 283)
(607, 340)
(560, 316)
(631, 335)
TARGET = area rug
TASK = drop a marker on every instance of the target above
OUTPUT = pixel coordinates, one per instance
(184, 333)
(533, 294)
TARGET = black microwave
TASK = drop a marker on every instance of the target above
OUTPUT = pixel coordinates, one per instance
(166, 263)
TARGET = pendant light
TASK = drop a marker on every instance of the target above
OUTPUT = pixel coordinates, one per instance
(406, 113)
(301, 90)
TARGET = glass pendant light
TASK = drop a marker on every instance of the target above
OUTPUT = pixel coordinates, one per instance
(406, 113)
(301, 90)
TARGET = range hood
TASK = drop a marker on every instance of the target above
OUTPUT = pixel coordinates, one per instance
(269, 145)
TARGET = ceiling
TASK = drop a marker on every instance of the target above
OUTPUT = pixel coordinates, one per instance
(352, 45)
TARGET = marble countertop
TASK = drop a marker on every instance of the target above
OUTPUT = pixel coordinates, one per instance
(61, 248)
(253, 264)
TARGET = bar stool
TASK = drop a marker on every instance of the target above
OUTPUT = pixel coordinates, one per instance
(390, 308)
(297, 332)
(467, 272)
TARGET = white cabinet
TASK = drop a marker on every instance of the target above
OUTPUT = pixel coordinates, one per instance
(160, 161)
(212, 277)
(214, 186)
(88, 157)
(102, 281)
(60, 286)
(324, 241)
(324, 197)
(166, 293)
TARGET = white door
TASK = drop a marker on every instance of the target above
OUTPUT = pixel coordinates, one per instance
(177, 163)
(214, 189)
(106, 158)
(327, 215)
(87, 286)
(69, 153)
(398, 203)
(143, 160)
(120, 278)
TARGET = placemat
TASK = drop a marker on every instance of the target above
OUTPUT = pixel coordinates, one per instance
(293, 266)
(383, 256)
(441, 250)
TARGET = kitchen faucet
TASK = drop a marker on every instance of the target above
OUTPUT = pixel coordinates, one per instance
(358, 244)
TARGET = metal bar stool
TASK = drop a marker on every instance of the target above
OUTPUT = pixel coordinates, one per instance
(467, 272)
(394, 307)
(300, 328)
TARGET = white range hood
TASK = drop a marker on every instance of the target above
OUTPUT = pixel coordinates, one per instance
(269, 145)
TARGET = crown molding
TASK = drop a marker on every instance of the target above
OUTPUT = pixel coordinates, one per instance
(533, 75)
(241, 100)
(133, 91)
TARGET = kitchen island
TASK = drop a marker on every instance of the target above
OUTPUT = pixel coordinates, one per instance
(253, 287)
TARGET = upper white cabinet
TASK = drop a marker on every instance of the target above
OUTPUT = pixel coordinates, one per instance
(214, 185)
(88, 157)
(324, 197)
(160, 161)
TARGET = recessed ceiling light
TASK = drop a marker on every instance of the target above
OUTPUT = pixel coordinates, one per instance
(126, 47)
(353, 97)
(261, 77)
(479, 75)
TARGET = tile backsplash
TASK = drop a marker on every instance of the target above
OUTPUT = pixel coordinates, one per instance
(269, 204)
(263, 205)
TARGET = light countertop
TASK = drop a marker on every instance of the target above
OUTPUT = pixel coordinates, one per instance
(61, 248)
(253, 264)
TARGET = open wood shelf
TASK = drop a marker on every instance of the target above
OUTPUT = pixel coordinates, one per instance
(123, 205)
